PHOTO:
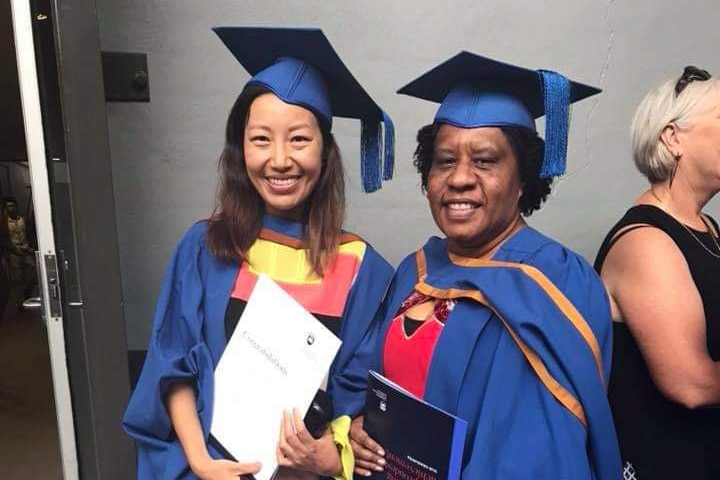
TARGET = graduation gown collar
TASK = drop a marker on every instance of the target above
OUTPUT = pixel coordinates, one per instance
(294, 234)
(525, 241)
(282, 226)
(518, 247)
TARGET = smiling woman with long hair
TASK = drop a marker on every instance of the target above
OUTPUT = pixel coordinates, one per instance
(279, 212)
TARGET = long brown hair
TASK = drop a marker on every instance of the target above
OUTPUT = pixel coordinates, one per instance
(237, 218)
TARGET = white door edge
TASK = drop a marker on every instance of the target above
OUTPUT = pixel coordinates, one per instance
(35, 143)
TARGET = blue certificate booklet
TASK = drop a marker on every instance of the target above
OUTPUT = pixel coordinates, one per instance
(421, 442)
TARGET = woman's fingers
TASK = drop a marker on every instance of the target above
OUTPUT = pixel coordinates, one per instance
(282, 460)
(227, 469)
(284, 449)
(362, 471)
(296, 436)
(300, 428)
(359, 435)
(245, 468)
(288, 426)
(295, 442)
(366, 461)
(362, 453)
(370, 466)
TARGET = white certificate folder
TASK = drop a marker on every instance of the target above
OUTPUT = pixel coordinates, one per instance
(276, 359)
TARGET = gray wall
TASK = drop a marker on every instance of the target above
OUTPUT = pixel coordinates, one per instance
(164, 153)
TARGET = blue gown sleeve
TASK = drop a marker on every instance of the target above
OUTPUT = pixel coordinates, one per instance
(176, 352)
(348, 378)
(574, 276)
(582, 286)
(519, 418)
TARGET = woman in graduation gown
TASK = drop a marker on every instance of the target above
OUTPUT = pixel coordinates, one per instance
(280, 210)
(497, 323)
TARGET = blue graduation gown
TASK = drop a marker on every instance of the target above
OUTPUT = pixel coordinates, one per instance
(188, 338)
(524, 357)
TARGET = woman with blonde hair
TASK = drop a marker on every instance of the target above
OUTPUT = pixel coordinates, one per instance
(661, 266)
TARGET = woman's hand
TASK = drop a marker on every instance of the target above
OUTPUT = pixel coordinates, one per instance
(298, 449)
(368, 454)
(211, 469)
(182, 409)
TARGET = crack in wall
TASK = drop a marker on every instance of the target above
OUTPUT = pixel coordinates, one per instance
(588, 160)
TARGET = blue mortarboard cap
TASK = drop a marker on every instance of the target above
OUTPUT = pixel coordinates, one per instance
(301, 67)
(476, 91)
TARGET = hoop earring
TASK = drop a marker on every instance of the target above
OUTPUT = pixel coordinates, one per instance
(674, 170)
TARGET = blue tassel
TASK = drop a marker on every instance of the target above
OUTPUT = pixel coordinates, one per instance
(389, 150)
(557, 107)
(370, 165)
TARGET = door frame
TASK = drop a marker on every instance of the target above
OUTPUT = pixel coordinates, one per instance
(35, 141)
(87, 339)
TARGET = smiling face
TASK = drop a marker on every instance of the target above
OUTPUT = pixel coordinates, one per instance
(283, 147)
(473, 188)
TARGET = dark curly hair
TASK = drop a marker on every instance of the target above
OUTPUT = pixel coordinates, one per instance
(527, 147)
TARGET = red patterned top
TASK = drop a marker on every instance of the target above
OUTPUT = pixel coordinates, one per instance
(406, 358)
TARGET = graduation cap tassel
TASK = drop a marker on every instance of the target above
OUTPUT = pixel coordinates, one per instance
(389, 147)
(557, 106)
(370, 145)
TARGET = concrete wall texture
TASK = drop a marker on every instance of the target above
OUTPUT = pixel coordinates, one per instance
(164, 153)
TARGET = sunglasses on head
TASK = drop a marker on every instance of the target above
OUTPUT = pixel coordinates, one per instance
(690, 74)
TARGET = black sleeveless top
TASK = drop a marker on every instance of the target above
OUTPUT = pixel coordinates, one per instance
(660, 439)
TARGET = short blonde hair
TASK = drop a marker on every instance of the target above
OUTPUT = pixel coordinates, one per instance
(661, 107)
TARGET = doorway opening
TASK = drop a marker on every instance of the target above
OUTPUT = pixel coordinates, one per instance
(29, 441)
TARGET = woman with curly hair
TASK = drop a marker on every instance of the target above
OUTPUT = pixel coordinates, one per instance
(496, 323)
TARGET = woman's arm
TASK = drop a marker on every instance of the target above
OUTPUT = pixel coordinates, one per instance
(650, 283)
(181, 405)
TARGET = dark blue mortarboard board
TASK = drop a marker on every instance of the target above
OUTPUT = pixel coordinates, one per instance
(475, 91)
(300, 66)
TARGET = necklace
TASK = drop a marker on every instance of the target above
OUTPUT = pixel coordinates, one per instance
(702, 244)
(664, 208)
